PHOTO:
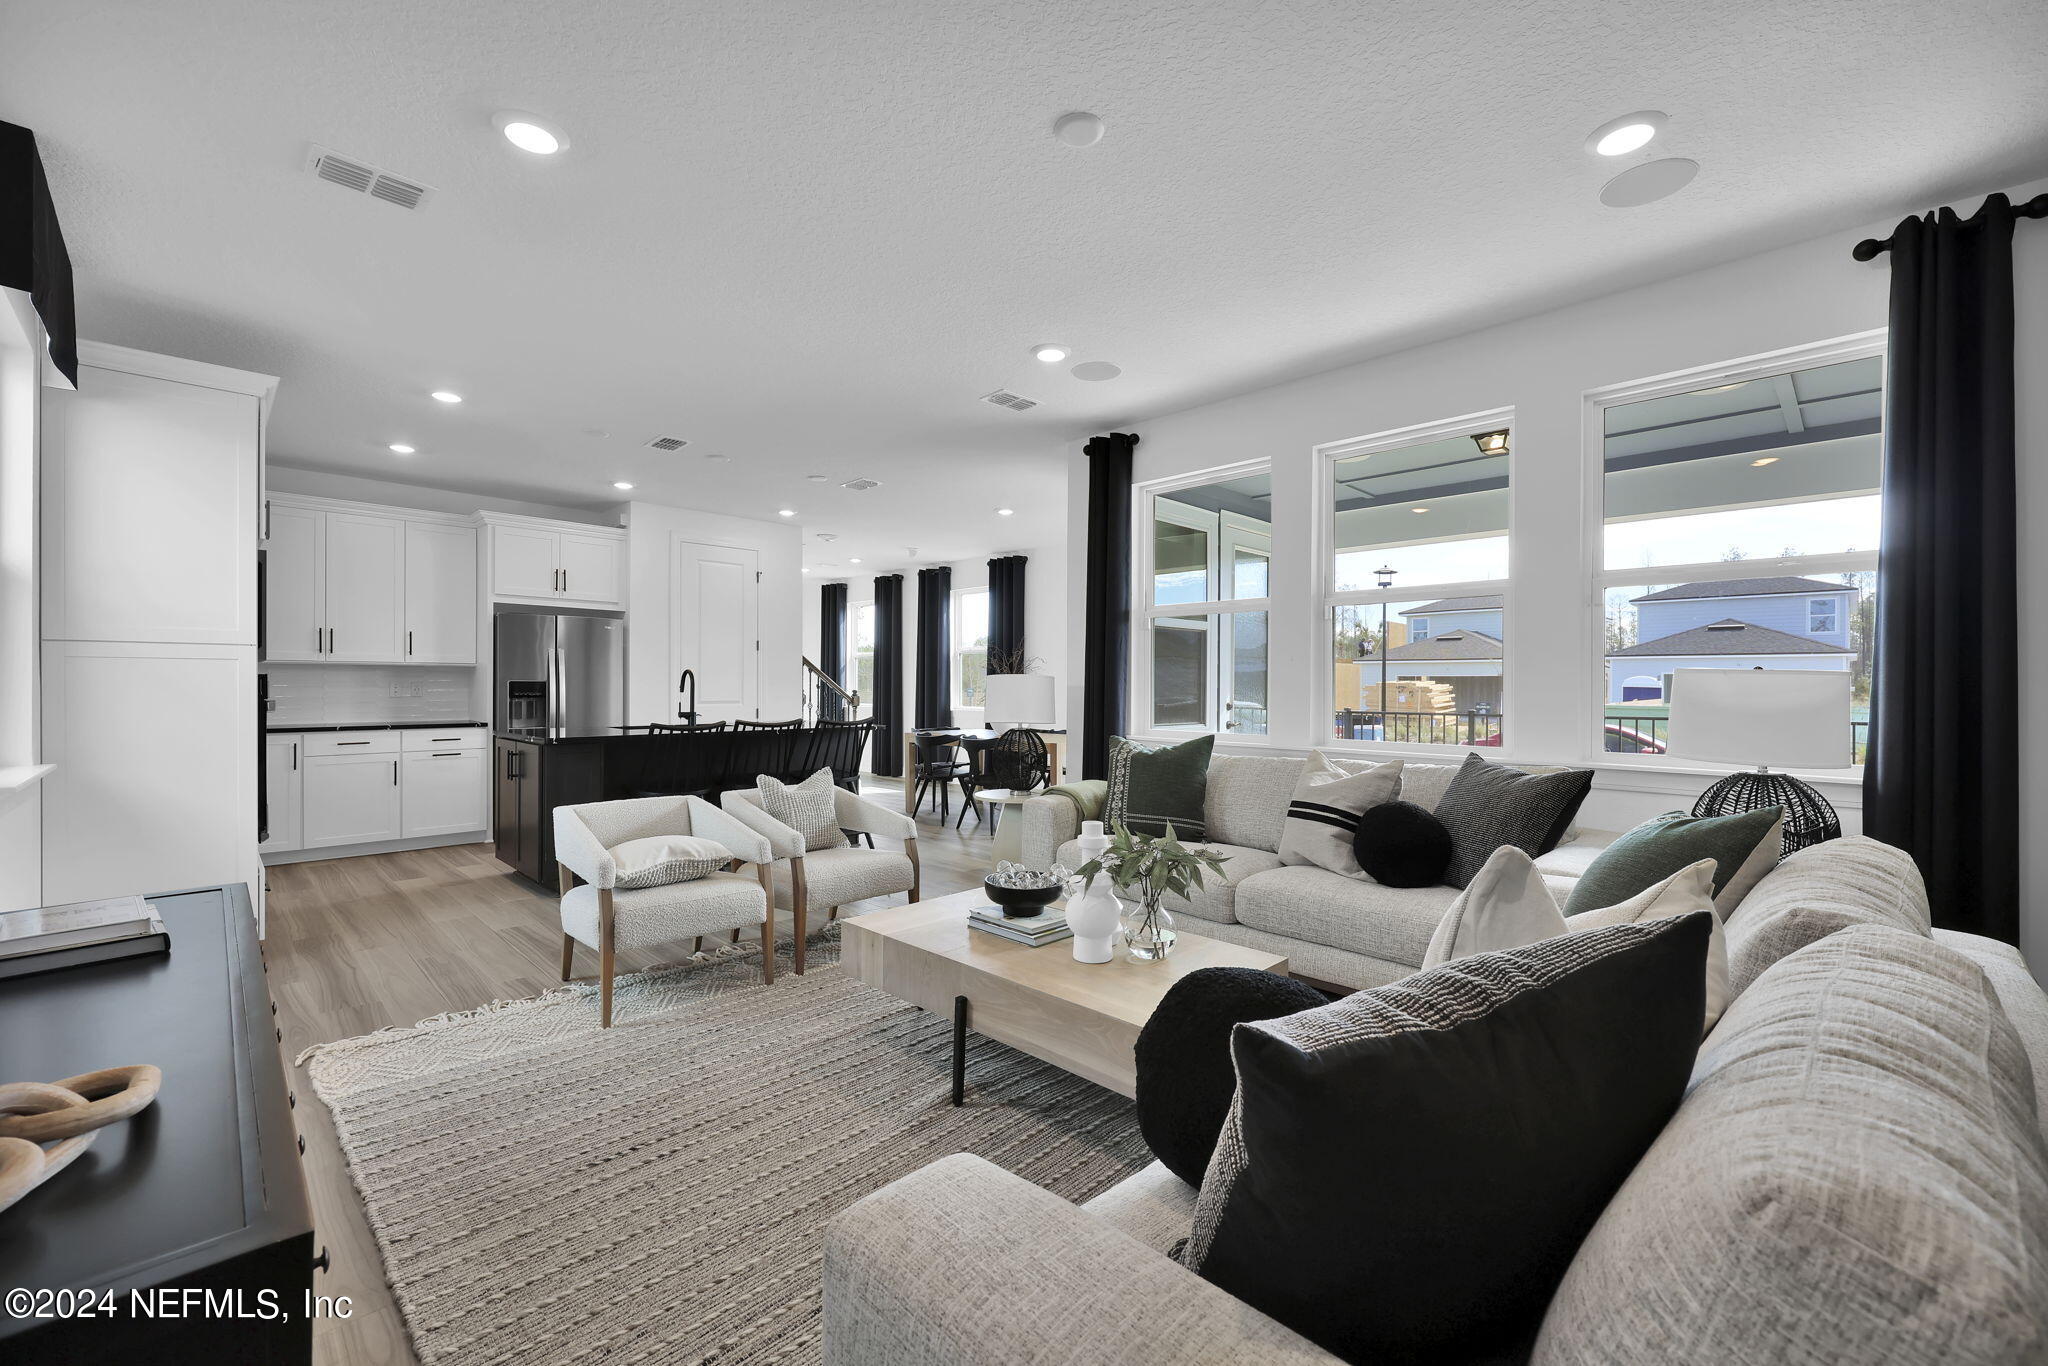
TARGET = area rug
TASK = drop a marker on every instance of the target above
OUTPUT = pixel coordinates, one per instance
(546, 1191)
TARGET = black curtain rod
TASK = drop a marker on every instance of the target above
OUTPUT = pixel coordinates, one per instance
(1869, 247)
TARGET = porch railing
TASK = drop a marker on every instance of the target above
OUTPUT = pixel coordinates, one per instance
(1652, 735)
(1420, 727)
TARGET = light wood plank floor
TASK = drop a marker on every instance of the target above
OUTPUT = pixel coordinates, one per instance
(358, 944)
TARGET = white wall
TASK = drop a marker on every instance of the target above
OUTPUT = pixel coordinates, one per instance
(390, 493)
(21, 400)
(651, 529)
(1541, 366)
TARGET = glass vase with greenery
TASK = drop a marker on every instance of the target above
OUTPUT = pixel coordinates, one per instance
(1147, 867)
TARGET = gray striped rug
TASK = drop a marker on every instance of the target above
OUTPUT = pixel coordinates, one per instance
(545, 1191)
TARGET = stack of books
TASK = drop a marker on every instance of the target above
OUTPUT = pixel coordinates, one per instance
(1047, 927)
(43, 938)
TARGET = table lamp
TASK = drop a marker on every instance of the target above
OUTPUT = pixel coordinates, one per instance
(1771, 718)
(1015, 700)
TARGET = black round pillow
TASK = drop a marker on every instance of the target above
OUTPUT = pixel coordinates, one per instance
(1402, 845)
(1185, 1076)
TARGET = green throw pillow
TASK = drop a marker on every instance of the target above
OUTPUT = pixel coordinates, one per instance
(1743, 847)
(1152, 788)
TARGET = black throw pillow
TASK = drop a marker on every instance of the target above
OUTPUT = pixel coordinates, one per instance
(1400, 844)
(1185, 1079)
(1488, 805)
(1405, 1174)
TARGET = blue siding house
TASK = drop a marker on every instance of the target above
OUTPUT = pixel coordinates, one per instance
(1783, 622)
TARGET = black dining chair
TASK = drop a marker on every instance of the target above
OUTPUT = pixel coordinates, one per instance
(1015, 761)
(769, 725)
(938, 763)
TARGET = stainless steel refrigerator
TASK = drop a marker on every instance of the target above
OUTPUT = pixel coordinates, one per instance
(560, 672)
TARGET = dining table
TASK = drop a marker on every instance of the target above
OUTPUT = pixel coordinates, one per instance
(1055, 754)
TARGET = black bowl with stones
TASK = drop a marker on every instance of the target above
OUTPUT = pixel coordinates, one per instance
(1021, 903)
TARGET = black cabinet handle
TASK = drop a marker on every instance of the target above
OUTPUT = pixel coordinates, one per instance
(320, 1263)
(394, 773)
(280, 1035)
(351, 742)
(291, 1098)
(447, 754)
(408, 642)
(302, 1145)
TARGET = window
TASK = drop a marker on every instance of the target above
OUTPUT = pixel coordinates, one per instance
(1741, 531)
(970, 647)
(864, 656)
(1200, 653)
(1415, 591)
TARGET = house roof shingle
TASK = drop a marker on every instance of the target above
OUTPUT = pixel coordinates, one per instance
(1485, 602)
(1743, 588)
(1728, 637)
(1459, 644)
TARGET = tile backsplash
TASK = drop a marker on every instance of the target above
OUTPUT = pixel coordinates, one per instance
(315, 694)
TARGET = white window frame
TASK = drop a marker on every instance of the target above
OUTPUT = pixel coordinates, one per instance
(955, 670)
(852, 680)
(1144, 613)
(1833, 615)
(1323, 546)
(1857, 346)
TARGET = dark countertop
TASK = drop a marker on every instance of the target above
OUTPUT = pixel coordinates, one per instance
(563, 737)
(373, 725)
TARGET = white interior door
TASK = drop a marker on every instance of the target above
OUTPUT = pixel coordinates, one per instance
(716, 629)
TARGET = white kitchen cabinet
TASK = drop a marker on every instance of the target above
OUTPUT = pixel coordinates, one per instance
(295, 585)
(350, 798)
(365, 589)
(444, 791)
(284, 787)
(440, 593)
(532, 560)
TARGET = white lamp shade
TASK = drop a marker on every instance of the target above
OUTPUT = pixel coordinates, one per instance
(1019, 699)
(1771, 718)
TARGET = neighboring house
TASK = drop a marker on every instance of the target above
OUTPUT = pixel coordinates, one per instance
(1452, 640)
(1782, 622)
(1455, 614)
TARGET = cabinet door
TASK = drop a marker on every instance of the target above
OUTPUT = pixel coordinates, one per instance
(283, 781)
(444, 791)
(350, 799)
(295, 585)
(365, 589)
(513, 785)
(522, 562)
(440, 594)
(591, 568)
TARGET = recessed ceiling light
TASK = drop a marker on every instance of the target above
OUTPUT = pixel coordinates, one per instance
(1418, 509)
(715, 456)
(400, 448)
(597, 432)
(785, 512)
(1005, 512)
(1763, 461)
(529, 134)
(1078, 129)
(854, 560)
(1619, 137)
(1096, 370)
(818, 478)
(1049, 352)
(1648, 182)
(445, 396)
(621, 485)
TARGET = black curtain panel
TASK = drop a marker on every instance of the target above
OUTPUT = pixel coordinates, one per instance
(32, 253)
(934, 647)
(1006, 614)
(886, 755)
(1941, 778)
(1107, 632)
(832, 647)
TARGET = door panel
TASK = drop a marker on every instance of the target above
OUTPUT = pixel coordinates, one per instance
(590, 568)
(365, 589)
(716, 631)
(350, 799)
(522, 562)
(283, 773)
(440, 594)
(444, 791)
(296, 585)
(590, 673)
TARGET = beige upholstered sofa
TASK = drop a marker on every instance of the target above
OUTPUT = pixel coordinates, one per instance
(1856, 1174)
(1334, 929)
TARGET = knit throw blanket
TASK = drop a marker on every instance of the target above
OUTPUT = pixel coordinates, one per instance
(1089, 796)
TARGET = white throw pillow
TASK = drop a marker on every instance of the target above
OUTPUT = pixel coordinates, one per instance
(1322, 815)
(806, 807)
(1507, 906)
(662, 859)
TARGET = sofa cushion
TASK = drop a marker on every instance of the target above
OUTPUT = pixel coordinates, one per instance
(1818, 890)
(1153, 787)
(1488, 805)
(1405, 1173)
(1744, 847)
(2025, 1004)
(1393, 923)
(1216, 899)
(1154, 1206)
(1324, 811)
(1856, 1175)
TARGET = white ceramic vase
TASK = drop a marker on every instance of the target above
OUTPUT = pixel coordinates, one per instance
(1095, 915)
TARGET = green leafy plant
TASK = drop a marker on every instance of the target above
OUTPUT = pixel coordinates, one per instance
(1153, 864)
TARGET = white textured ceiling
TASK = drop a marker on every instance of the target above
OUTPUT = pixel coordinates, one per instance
(809, 236)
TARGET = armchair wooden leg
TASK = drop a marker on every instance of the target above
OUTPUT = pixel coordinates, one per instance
(916, 868)
(604, 955)
(799, 910)
(568, 956)
(697, 945)
(768, 948)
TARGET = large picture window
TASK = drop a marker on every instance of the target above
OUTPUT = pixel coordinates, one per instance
(1741, 518)
(862, 631)
(970, 647)
(1204, 581)
(1415, 588)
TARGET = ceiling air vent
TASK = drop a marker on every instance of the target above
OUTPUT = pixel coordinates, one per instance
(666, 443)
(861, 485)
(1003, 398)
(353, 174)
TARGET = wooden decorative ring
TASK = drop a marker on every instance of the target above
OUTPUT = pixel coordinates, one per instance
(30, 1110)
(25, 1165)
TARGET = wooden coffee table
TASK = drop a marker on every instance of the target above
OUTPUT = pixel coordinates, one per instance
(1081, 1017)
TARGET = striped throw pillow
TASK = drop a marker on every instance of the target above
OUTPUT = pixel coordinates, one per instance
(1322, 816)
